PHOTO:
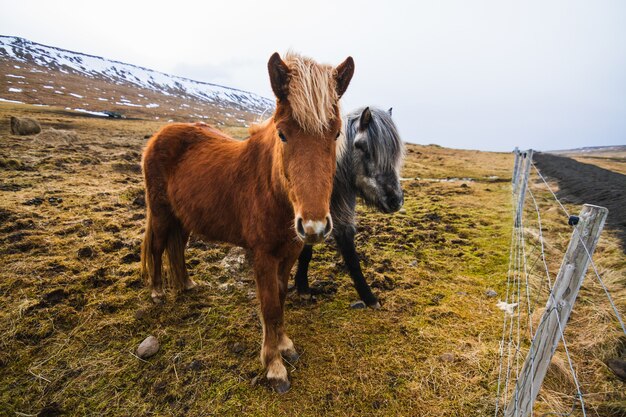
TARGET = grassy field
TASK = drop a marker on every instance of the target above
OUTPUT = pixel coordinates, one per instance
(74, 307)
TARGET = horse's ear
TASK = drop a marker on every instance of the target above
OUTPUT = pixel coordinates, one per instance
(365, 119)
(390, 110)
(344, 73)
(279, 76)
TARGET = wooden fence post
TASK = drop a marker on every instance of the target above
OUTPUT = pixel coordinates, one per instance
(528, 155)
(515, 169)
(559, 305)
(514, 178)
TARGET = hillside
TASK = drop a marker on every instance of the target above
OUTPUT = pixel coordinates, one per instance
(38, 74)
(612, 158)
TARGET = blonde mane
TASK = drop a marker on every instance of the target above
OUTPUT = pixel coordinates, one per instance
(312, 92)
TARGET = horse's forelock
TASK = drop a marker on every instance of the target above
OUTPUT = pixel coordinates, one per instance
(313, 94)
(382, 138)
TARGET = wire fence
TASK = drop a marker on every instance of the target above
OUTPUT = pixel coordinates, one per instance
(529, 282)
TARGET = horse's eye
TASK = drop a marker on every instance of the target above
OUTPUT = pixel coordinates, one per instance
(338, 134)
(282, 136)
(361, 145)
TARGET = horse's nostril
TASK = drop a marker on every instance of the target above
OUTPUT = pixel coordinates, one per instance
(300, 228)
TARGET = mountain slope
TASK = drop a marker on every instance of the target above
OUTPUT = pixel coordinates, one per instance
(40, 74)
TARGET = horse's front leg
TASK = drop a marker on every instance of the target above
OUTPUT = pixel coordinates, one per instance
(302, 279)
(269, 293)
(345, 240)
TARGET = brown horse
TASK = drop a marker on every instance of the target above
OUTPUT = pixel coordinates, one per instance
(270, 193)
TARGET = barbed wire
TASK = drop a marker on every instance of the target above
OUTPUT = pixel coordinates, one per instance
(518, 270)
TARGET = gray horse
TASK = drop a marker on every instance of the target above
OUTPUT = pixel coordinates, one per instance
(369, 159)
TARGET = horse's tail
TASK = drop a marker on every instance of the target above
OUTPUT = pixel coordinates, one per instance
(177, 276)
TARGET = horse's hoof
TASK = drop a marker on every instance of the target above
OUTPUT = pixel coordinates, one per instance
(158, 297)
(281, 386)
(307, 297)
(190, 284)
(374, 305)
(290, 356)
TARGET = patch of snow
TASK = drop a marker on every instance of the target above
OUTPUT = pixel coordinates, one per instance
(95, 113)
(15, 90)
(48, 87)
(152, 106)
(103, 99)
(128, 104)
(76, 95)
(10, 101)
(14, 76)
(59, 92)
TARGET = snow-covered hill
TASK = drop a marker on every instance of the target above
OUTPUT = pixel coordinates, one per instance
(40, 74)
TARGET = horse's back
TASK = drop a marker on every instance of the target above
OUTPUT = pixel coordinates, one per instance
(188, 168)
(173, 141)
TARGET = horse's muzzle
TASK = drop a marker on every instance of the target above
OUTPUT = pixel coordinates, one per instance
(313, 231)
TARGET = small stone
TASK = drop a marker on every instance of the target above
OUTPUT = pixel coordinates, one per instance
(413, 263)
(254, 381)
(195, 365)
(490, 293)
(447, 357)
(358, 304)
(402, 211)
(34, 202)
(148, 347)
(238, 348)
(85, 252)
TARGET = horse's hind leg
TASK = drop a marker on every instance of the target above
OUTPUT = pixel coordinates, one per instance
(177, 242)
(157, 242)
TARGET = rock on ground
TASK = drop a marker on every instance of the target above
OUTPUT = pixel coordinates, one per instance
(149, 347)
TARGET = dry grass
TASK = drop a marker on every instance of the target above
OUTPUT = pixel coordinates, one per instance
(69, 325)
(612, 163)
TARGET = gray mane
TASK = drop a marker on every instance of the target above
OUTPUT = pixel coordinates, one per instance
(385, 146)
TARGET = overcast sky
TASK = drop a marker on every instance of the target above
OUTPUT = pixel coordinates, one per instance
(487, 75)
